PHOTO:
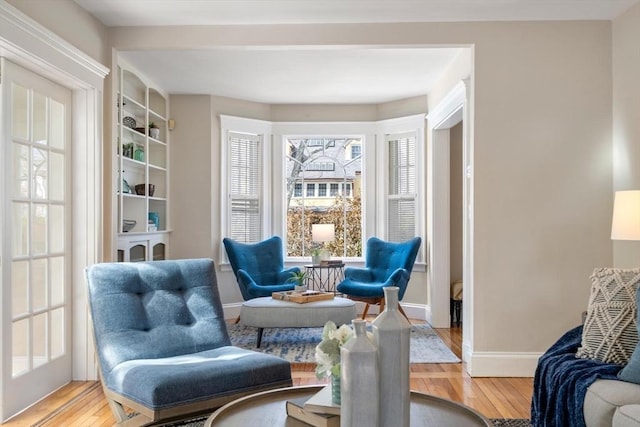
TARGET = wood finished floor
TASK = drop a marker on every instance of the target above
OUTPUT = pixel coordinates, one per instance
(82, 403)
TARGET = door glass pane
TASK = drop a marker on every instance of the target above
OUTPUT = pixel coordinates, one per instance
(56, 278)
(39, 119)
(56, 176)
(20, 226)
(39, 164)
(19, 287)
(20, 171)
(19, 112)
(20, 347)
(56, 127)
(57, 332)
(56, 228)
(39, 231)
(38, 284)
(39, 343)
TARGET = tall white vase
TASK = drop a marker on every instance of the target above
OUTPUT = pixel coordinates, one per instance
(392, 334)
(359, 380)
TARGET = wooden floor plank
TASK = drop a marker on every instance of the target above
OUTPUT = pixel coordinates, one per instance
(82, 403)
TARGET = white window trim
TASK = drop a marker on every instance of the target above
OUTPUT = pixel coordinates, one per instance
(414, 123)
(375, 159)
(291, 130)
(248, 126)
(31, 45)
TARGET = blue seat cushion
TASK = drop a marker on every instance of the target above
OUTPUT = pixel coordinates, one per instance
(361, 289)
(172, 381)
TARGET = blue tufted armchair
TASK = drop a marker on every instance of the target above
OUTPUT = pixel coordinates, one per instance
(259, 267)
(162, 342)
(386, 264)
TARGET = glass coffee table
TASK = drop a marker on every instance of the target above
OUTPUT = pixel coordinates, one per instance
(269, 409)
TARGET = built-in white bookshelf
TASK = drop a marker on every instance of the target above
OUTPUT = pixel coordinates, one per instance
(142, 154)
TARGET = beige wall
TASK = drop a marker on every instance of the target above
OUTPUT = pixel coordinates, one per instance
(190, 179)
(542, 162)
(323, 113)
(542, 178)
(72, 23)
(626, 120)
(455, 202)
(542, 141)
(196, 162)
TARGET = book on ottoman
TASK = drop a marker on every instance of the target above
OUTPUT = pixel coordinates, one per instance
(295, 409)
(321, 403)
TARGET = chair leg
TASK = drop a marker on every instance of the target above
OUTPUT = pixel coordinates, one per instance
(401, 310)
(259, 340)
(365, 311)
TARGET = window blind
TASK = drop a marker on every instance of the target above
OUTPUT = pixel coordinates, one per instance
(401, 198)
(245, 182)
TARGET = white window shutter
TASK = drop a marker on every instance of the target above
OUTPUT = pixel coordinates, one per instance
(245, 182)
(401, 198)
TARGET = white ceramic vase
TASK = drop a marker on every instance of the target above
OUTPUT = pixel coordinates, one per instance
(359, 380)
(392, 334)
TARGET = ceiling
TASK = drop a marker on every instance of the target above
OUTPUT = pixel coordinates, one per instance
(318, 75)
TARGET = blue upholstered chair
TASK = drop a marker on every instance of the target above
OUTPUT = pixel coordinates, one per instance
(162, 342)
(259, 267)
(386, 264)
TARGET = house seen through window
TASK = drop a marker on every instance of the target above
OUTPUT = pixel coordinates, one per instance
(331, 175)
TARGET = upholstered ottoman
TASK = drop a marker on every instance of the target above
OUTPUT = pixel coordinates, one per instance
(266, 312)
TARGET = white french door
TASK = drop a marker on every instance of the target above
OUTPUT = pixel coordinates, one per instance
(35, 123)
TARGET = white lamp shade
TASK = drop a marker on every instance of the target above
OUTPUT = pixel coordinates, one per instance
(626, 216)
(322, 232)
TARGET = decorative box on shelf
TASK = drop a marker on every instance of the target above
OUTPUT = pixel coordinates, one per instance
(302, 297)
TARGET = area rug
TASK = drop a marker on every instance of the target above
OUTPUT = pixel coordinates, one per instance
(510, 422)
(500, 422)
(298, 345)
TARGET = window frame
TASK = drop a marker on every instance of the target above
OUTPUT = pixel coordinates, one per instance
(375, 164)
(261, 129)
(402, 125)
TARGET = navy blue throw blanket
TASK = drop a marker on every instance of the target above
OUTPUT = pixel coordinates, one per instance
(561, 383)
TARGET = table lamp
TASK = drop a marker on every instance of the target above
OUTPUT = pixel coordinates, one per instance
(626, 215)
(323, 233)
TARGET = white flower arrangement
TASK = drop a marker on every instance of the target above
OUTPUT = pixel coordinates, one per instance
(328, 351)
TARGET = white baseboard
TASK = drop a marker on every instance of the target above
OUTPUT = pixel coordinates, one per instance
(231, 311)
(498, 364)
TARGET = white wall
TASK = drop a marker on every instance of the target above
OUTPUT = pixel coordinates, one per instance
(626, 120)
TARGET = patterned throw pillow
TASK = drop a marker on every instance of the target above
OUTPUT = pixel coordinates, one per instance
(610, 334)
(631, 372)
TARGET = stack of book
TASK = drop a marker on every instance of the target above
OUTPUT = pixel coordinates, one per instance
(331, 263)
(316, 410)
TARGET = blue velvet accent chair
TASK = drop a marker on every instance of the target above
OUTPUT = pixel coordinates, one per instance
(259, 267)
(162, 342)
(386, 264)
